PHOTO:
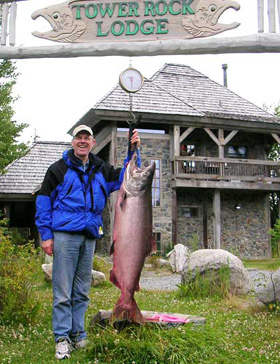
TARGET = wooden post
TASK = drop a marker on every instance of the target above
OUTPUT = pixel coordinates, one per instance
(271, 16)
(176, 141)
(12, 24)
(174, 216)
(221, 143)
(217, 218)
(113, 161)
(204, 221)
(260, 16)
(4, 23)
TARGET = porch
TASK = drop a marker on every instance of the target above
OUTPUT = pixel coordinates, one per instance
(225, 173)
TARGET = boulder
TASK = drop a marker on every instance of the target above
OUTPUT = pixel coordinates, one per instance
(264, 286)
(47, 269)
(178, 257)
(276, 282)
(97, 278)
(212, 260)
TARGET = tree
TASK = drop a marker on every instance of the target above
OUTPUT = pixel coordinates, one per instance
(10, 130)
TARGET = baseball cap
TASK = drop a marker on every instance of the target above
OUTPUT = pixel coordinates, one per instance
(80, 128)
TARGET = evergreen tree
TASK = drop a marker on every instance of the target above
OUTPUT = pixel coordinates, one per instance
(10, 130)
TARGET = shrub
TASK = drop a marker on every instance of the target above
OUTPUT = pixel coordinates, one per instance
(275, 239)
(18, 267)
(211, 283)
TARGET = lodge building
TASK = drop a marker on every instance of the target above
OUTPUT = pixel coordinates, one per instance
(213, 179)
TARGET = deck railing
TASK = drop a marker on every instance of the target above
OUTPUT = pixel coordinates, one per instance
(226, 169)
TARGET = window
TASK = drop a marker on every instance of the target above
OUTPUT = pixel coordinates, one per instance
(237, 152)
(188, 212)
(156, 185)
(157, 238)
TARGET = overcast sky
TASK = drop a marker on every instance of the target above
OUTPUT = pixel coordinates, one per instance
(56, 93)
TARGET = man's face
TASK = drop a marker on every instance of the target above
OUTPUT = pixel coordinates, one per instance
(82, 144)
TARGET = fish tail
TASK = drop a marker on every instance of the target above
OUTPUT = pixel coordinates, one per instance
(127, 311)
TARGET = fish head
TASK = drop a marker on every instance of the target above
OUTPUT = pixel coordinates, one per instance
(138, 180)
(208, 12)
(62, 21)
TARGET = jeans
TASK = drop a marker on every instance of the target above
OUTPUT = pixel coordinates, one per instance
(72, 269)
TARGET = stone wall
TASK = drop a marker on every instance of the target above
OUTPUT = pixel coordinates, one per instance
(244, 231)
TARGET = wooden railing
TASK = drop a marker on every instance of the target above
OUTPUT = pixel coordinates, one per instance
(207, 168)
(273, 12)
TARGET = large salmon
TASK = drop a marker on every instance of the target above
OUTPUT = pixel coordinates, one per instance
(132, 239)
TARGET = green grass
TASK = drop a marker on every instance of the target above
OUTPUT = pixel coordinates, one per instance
(267, 264)
(237, 331)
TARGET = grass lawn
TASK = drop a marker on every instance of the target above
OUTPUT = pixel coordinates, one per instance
(267, 264)
(237, 331)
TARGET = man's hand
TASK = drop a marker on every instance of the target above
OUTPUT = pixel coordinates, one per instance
(135, 139)
(47, 246)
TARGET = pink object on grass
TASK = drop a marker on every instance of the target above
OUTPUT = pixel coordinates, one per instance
(167, 318)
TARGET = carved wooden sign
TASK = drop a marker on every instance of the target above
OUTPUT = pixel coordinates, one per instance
(79, 21)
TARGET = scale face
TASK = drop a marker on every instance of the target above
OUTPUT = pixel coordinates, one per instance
(131, 80)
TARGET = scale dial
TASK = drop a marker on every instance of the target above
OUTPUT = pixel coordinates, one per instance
(131, 80)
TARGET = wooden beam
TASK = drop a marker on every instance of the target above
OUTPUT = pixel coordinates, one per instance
(250, 186)
(276, 137)
(174, 216)
(230, 136)
(221, 143)
(260, 16)
(176, 140)
(186, 134)
(113, 147)
(255, 43)
(271, 16)
(217, 218)
(102, 139)
(212, 136)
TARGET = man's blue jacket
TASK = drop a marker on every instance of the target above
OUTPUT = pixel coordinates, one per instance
(71, 199)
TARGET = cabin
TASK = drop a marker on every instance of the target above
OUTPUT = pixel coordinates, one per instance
(213, 179)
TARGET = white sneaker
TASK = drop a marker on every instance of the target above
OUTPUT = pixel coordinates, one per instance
(63, 349)
(80, 344)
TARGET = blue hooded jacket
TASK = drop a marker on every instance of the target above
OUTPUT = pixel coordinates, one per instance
(72, 200)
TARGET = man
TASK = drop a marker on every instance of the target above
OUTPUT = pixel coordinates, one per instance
(69, 210)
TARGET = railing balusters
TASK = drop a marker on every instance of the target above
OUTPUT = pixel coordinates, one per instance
(4, 23)
(271, 16)
(260, 16)
(278, 13)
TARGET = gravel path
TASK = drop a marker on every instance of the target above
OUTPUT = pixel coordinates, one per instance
(169, 281)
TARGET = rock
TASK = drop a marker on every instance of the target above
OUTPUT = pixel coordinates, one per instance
(97, 278)
(276, 282)
(178, 257)
(47, 269)
(204, 260)
(264, 287)
(163, 262)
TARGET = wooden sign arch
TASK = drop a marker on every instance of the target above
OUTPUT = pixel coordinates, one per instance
(260, 42)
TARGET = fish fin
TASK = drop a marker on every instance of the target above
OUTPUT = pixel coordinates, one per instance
(112, 248)
(113, 278)
(128, 312)
(122, 197)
